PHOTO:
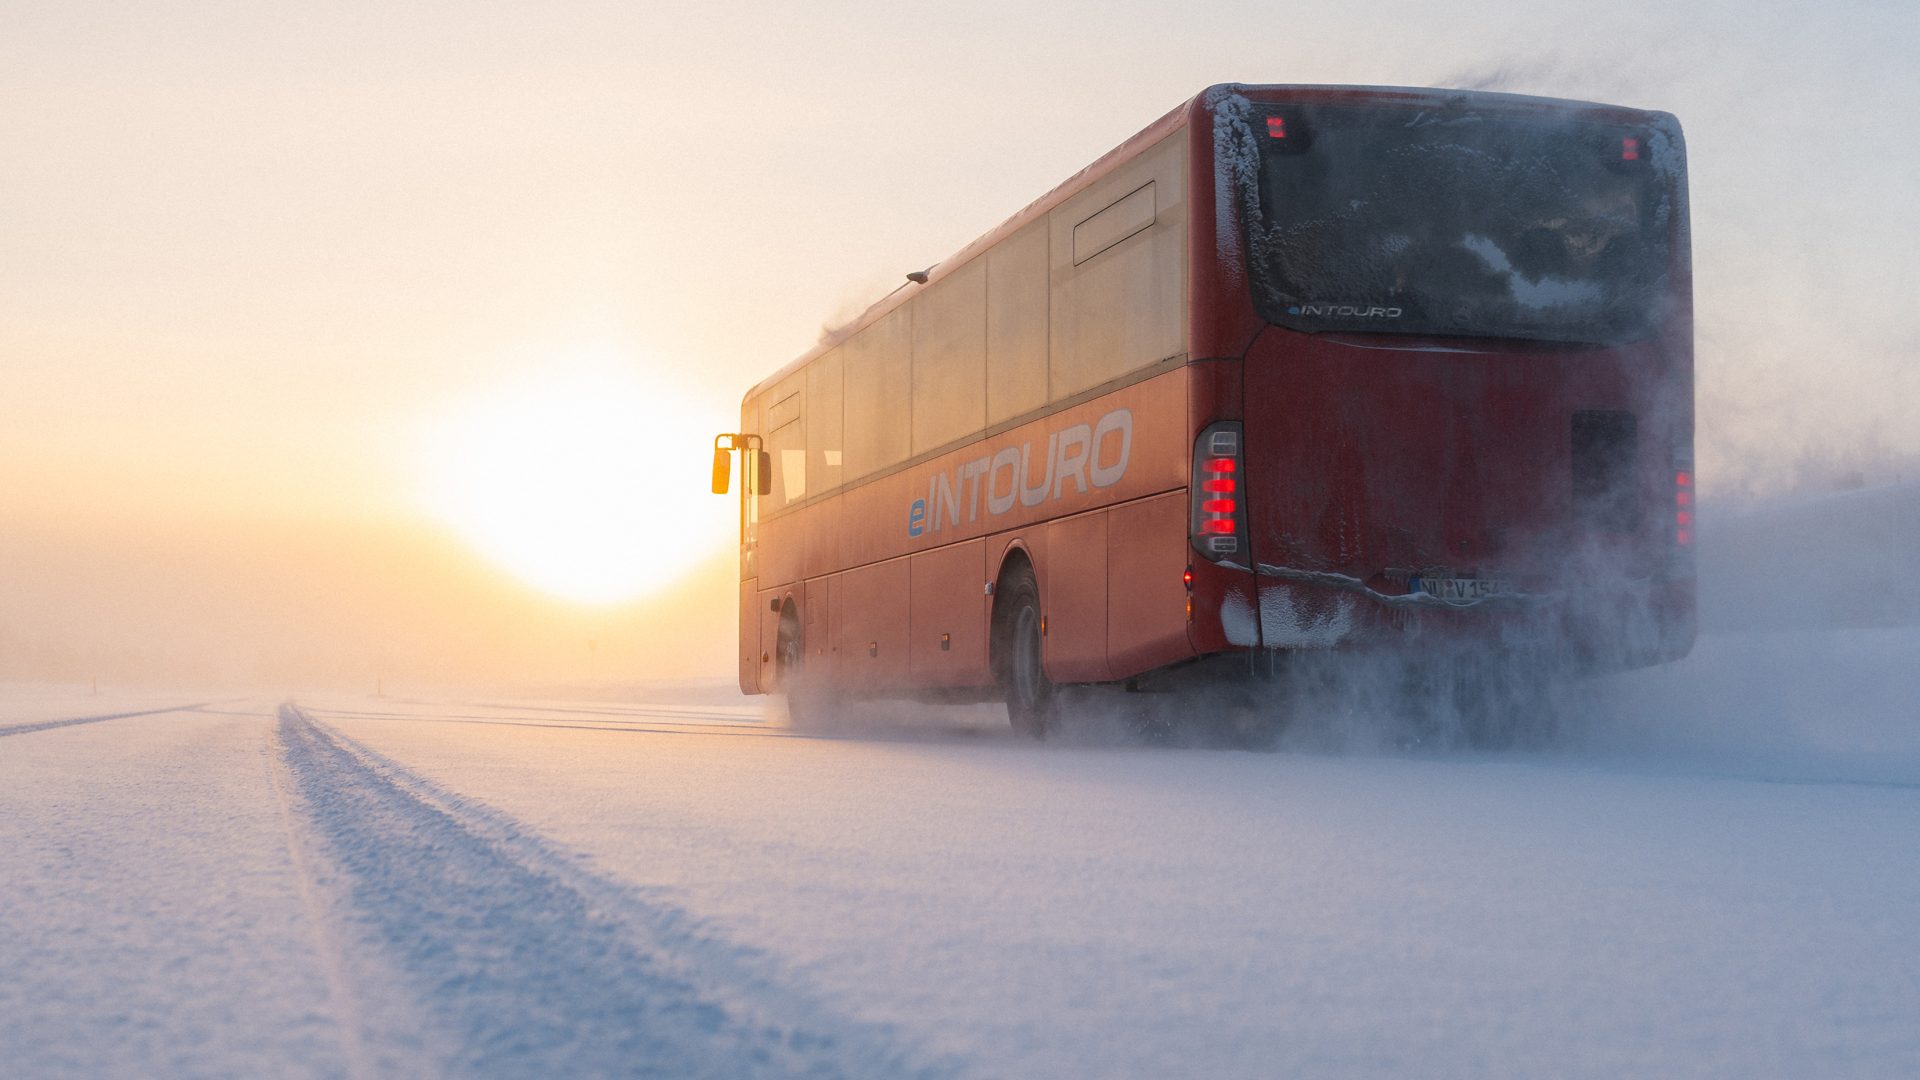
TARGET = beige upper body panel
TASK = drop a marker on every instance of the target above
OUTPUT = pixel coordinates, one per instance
(1089, 293)
(1117, 271)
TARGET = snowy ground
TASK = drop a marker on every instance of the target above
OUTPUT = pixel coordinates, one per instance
(1720, 877)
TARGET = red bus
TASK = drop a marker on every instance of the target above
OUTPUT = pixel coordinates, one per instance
(1296, 368)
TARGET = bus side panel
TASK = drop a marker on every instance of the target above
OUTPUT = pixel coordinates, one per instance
(1074, 599)
(949, 600)
(871, 634)
(783, 548)
(767, 609)
(873, 519)
(1146, 601)
(749, 637)
(837, 661)
(816, 609)
(823, 537)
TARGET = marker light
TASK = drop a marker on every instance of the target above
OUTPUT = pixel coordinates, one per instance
(1683, 507)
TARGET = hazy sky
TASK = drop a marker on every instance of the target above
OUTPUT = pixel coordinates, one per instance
(250, 257)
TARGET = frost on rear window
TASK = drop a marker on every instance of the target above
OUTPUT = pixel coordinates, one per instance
(1236, 179)
(1406, 220)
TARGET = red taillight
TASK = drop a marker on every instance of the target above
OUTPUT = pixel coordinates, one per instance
(1683, 507)
(1219, 512)
(1186, 577)
(1216, 502)
(1276, 127)
(1629, 149)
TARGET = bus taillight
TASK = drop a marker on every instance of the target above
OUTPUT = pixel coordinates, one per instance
(1683, 507)
(1217, 517)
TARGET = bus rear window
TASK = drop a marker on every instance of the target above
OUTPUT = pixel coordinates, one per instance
(1419, 221)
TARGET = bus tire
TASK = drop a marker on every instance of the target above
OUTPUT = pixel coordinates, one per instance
(789, 662)
(1033, 707)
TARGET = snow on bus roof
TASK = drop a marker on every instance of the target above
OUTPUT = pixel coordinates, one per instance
(1206, 100)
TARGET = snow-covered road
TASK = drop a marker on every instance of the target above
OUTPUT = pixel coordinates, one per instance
(371, 887)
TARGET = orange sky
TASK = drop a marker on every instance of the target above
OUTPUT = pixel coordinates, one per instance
(250, 257)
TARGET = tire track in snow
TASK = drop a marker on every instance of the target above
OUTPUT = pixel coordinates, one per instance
(49, 725)
(345, 1005)
(530, 966)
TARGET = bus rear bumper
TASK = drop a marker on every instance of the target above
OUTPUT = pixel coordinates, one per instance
(1591, 630)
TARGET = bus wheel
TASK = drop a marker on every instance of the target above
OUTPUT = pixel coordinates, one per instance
(789, 659)
(1031, 704)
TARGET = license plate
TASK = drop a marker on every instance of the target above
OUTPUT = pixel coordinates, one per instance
(1455, 588)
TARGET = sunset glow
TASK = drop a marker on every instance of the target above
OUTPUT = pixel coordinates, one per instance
(281, 290)
(584, 481)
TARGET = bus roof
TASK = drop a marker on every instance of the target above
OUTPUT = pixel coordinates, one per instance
(1176, 118)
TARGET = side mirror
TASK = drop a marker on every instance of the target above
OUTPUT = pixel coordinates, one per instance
(722, 470)
(762, 473)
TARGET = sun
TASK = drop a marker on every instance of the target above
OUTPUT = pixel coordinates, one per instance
(586, 481)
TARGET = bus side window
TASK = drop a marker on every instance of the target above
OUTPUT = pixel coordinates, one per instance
(824, 423)
(1118, 272)
(786, 443)
(876, 395)
(950, 358)
(1017, 324)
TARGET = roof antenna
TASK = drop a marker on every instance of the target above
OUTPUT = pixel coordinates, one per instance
(919, 277)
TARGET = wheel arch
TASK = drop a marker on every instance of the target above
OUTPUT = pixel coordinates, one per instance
(789, 624)
(1016, 558)
(1017, 554)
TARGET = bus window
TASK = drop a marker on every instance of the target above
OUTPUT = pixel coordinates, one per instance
(786, 444)
(1017, 324)
(1423, 221)
(1114, 224)
(876, 398)
(824, 422)
(950, 358)
(1118, 278)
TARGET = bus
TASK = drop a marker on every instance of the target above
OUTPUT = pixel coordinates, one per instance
(1296, 369)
